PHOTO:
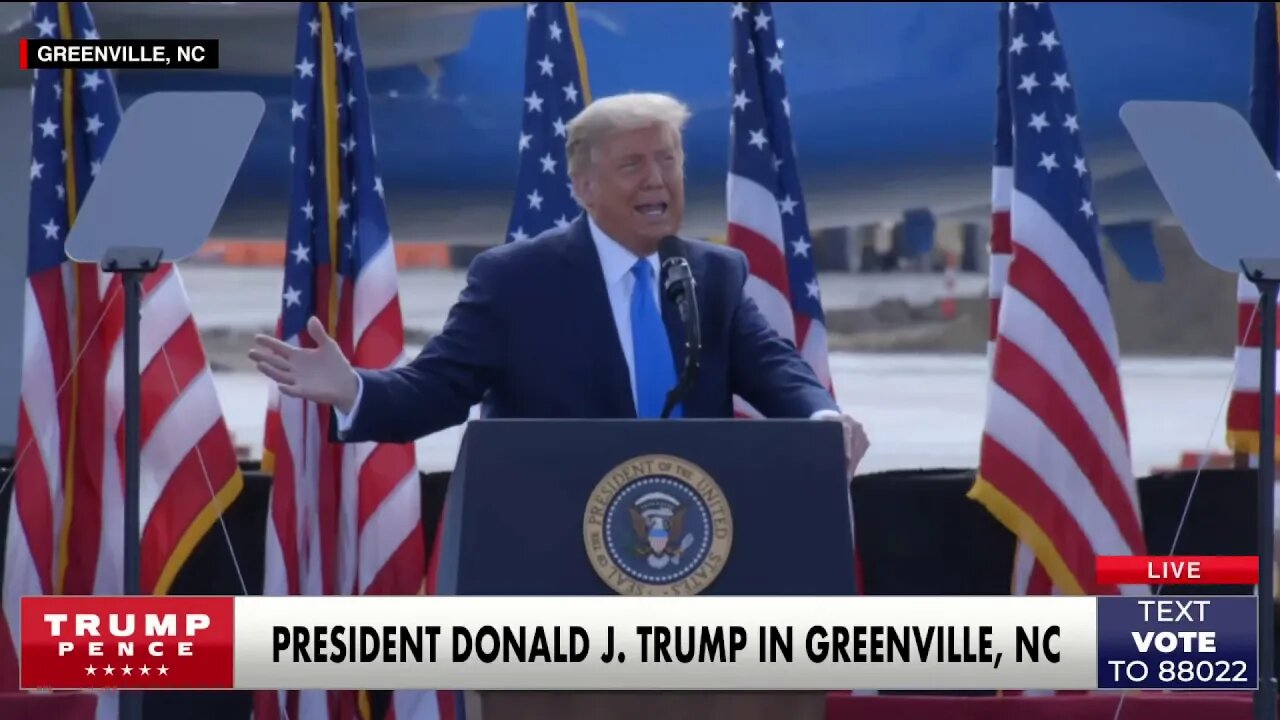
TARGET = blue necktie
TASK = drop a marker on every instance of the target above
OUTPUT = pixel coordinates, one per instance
(655, 367)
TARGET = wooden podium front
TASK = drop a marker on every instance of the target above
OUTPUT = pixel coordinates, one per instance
(646, 705)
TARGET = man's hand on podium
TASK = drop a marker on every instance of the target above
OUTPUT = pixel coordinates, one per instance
(855, 440)
(321, 374)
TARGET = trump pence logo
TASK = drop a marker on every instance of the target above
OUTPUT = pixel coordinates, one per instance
(658, 525)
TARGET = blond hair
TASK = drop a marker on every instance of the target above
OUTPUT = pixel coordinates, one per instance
(620, 113)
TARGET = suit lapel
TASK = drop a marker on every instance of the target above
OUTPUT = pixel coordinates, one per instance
(581, 253)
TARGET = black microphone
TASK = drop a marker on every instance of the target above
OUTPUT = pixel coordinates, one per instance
(679, 287)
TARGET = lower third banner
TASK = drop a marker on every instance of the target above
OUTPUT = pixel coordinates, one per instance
(638, 643)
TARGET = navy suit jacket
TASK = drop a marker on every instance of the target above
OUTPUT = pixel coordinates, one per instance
(533, 335)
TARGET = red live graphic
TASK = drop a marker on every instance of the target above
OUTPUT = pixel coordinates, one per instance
(144, 643)
(1177, 570)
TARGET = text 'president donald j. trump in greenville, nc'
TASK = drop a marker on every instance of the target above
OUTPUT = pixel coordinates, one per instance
(571, 324)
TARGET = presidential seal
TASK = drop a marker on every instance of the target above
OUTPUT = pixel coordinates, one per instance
(657, 525)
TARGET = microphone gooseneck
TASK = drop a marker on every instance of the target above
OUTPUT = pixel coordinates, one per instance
(680, 288)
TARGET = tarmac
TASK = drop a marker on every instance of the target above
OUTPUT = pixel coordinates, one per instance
(922, 409)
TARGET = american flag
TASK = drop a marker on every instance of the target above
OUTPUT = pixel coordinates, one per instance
(344, 519)
(1029, 575)
(555, 90)
(65, 531)
(767, 218)
(1245, 404)
(1055, 463)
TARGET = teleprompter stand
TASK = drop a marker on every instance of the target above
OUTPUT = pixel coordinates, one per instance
(1225, 194)
(160, 188)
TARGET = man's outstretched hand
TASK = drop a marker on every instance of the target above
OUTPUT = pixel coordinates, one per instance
(321, 374)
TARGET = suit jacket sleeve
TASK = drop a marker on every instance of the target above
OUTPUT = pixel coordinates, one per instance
(767, 370)
(438, 388)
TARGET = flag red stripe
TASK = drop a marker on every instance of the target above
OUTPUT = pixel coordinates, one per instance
(764, 258)
(33, 502)
(403, 572)
(1039, 283)
(1025, 489)
(1022, 377)
(1001, 233)
(184, 497)
(284, 499)
(179, 361)
(1249, 335)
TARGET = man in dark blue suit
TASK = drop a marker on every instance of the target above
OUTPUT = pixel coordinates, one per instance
(571, 324)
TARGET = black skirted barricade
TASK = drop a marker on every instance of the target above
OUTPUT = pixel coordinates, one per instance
(917, 532)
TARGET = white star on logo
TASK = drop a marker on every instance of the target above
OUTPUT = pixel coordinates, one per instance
(163, 670)
(91, 670)
(1048, 161)
(296, 110)
(127, 670)
(1038, 122)
(48, 128)
(306, 68)
(757, 139)
(146, 670)
(301, 253)
(291, 297)
(535, 102)
(546, 65)
(109, 670)
(548, 164)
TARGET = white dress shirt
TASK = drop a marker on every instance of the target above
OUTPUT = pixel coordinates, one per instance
(616, 262)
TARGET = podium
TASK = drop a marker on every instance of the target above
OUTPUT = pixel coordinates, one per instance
(648, 507)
